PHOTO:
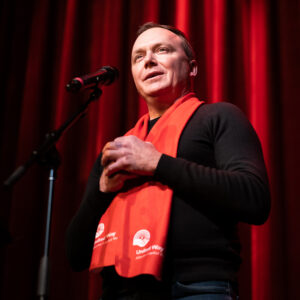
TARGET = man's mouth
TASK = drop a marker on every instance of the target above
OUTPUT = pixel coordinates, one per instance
(152, 75)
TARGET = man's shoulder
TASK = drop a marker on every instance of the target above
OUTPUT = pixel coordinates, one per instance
(219, 115)
(225, 107)
(219, 110)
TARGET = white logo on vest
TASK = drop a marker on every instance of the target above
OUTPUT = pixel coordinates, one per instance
(100, 230)
(141, 238)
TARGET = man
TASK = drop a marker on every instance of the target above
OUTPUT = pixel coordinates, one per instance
(165, 199)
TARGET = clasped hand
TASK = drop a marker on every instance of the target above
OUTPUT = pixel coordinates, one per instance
(125, 158)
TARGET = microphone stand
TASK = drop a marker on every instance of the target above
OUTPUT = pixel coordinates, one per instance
(47, 155)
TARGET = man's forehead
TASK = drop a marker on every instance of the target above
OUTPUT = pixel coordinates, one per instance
(155, 35)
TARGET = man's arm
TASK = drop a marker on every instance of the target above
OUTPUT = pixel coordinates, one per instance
(81, 231)
(237, 186)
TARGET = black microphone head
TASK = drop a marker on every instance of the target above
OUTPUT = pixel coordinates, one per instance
(104, 76)
(113, 74)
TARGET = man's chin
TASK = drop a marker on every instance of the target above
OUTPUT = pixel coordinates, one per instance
(156, 93)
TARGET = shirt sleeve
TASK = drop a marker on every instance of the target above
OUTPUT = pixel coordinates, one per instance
(82, 229)
(237, 185)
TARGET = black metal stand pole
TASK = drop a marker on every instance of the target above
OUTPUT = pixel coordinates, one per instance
(42, 288)
(48, 155)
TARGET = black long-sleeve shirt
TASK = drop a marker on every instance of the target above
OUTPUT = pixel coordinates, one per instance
(218, 179)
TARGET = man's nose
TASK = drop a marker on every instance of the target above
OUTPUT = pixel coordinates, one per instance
(150, 59)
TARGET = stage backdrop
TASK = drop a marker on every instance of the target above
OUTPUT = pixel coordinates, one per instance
(248, 54)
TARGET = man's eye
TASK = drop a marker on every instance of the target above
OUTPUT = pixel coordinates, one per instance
(163, 50)
(138, 57)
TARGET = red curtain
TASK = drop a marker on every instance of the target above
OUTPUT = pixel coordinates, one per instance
(248, 54)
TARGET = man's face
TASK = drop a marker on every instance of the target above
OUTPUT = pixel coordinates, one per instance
(160, 67)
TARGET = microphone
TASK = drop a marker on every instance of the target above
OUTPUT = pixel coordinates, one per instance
(104, 76)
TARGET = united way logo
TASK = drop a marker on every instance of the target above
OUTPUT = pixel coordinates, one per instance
(141, 238)
(100, 230)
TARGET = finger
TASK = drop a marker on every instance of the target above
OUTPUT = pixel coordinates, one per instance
(116, 166)
(107, 184)
(115, 182)
(113, 145)
(120, 139)
(123, 141)
(110, 155)
(106, 146)
(121, 177)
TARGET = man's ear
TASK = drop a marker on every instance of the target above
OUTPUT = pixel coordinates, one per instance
(193, 68)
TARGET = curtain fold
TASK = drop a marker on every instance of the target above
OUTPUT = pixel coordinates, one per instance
(247, 53)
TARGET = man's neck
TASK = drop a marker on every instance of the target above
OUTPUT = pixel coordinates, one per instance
(157, 111)
(158, 105)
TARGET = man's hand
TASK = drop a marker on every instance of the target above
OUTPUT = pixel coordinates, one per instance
(130, 154)
(113, 183)
(126, 158)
